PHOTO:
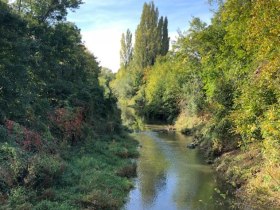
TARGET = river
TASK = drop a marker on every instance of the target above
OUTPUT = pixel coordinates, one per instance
(172, 177)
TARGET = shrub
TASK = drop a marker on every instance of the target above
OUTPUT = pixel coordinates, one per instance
(69, 122)
(128, 171)
(18, 199)
(44, 170)
(98, 199)
(29, 140)
(13, 164)
(123, 152)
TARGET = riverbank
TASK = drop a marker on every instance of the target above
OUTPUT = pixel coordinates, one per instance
(255, 181)
(93, 175)
(252, 175)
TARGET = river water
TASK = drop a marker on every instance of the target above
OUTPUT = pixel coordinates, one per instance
(170, 176)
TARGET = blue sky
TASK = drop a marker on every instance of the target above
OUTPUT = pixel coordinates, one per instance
(103, 21)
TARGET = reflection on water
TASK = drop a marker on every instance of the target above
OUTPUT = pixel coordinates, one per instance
(170, 176)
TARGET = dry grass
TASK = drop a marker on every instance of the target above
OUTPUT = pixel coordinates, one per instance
(256, 180)
(185, 122)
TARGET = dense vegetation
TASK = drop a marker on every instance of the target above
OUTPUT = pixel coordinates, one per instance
(151, 41)
(221, 82)
(55, 109)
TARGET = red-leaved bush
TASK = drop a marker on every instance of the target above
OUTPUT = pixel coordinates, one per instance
(31, 140)
(69, 122)
(28, 139)
(10, 125)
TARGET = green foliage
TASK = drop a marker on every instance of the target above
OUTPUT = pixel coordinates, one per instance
(164, 39)
(105, 77)
(44, 171)
(218, 72)
(19, 199)
(124, 88)
(13, 163)
(91, 176)
(126, 48)
(221, 81)
(54, 100)
(146, 37)
(162, 94)
(151, 41)
(44, 10)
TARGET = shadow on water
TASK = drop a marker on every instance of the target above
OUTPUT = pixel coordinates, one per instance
(170, 176)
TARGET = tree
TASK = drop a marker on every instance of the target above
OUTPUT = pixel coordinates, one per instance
(46, 10)
(151, 41)
(160, 31)
(126, 48)
(164, 38)
(151, 37)
(146, 37)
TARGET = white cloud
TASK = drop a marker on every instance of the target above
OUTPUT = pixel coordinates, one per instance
(105, 45)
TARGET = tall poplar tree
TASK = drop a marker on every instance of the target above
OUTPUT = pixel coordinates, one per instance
(160, 30)
(151, 38)
(146, 37)
(164, 38)
(126, 48)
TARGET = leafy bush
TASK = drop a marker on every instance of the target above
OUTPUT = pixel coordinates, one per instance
(18, 199)
(13, 164)
(127, 171)
(44, 170)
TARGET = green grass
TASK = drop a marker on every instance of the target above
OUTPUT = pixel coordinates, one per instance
(95, 176)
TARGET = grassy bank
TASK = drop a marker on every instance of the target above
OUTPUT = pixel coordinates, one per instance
(252, 172)
(61, 145)
(255, 180)
(94, 175)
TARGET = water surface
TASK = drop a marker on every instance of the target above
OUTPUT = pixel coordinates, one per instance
(170, 176)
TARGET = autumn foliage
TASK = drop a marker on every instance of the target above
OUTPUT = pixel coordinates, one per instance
(29, 140)
(69, 122)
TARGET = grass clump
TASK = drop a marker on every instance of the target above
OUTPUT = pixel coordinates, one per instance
(91, 175)
(127, 171)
